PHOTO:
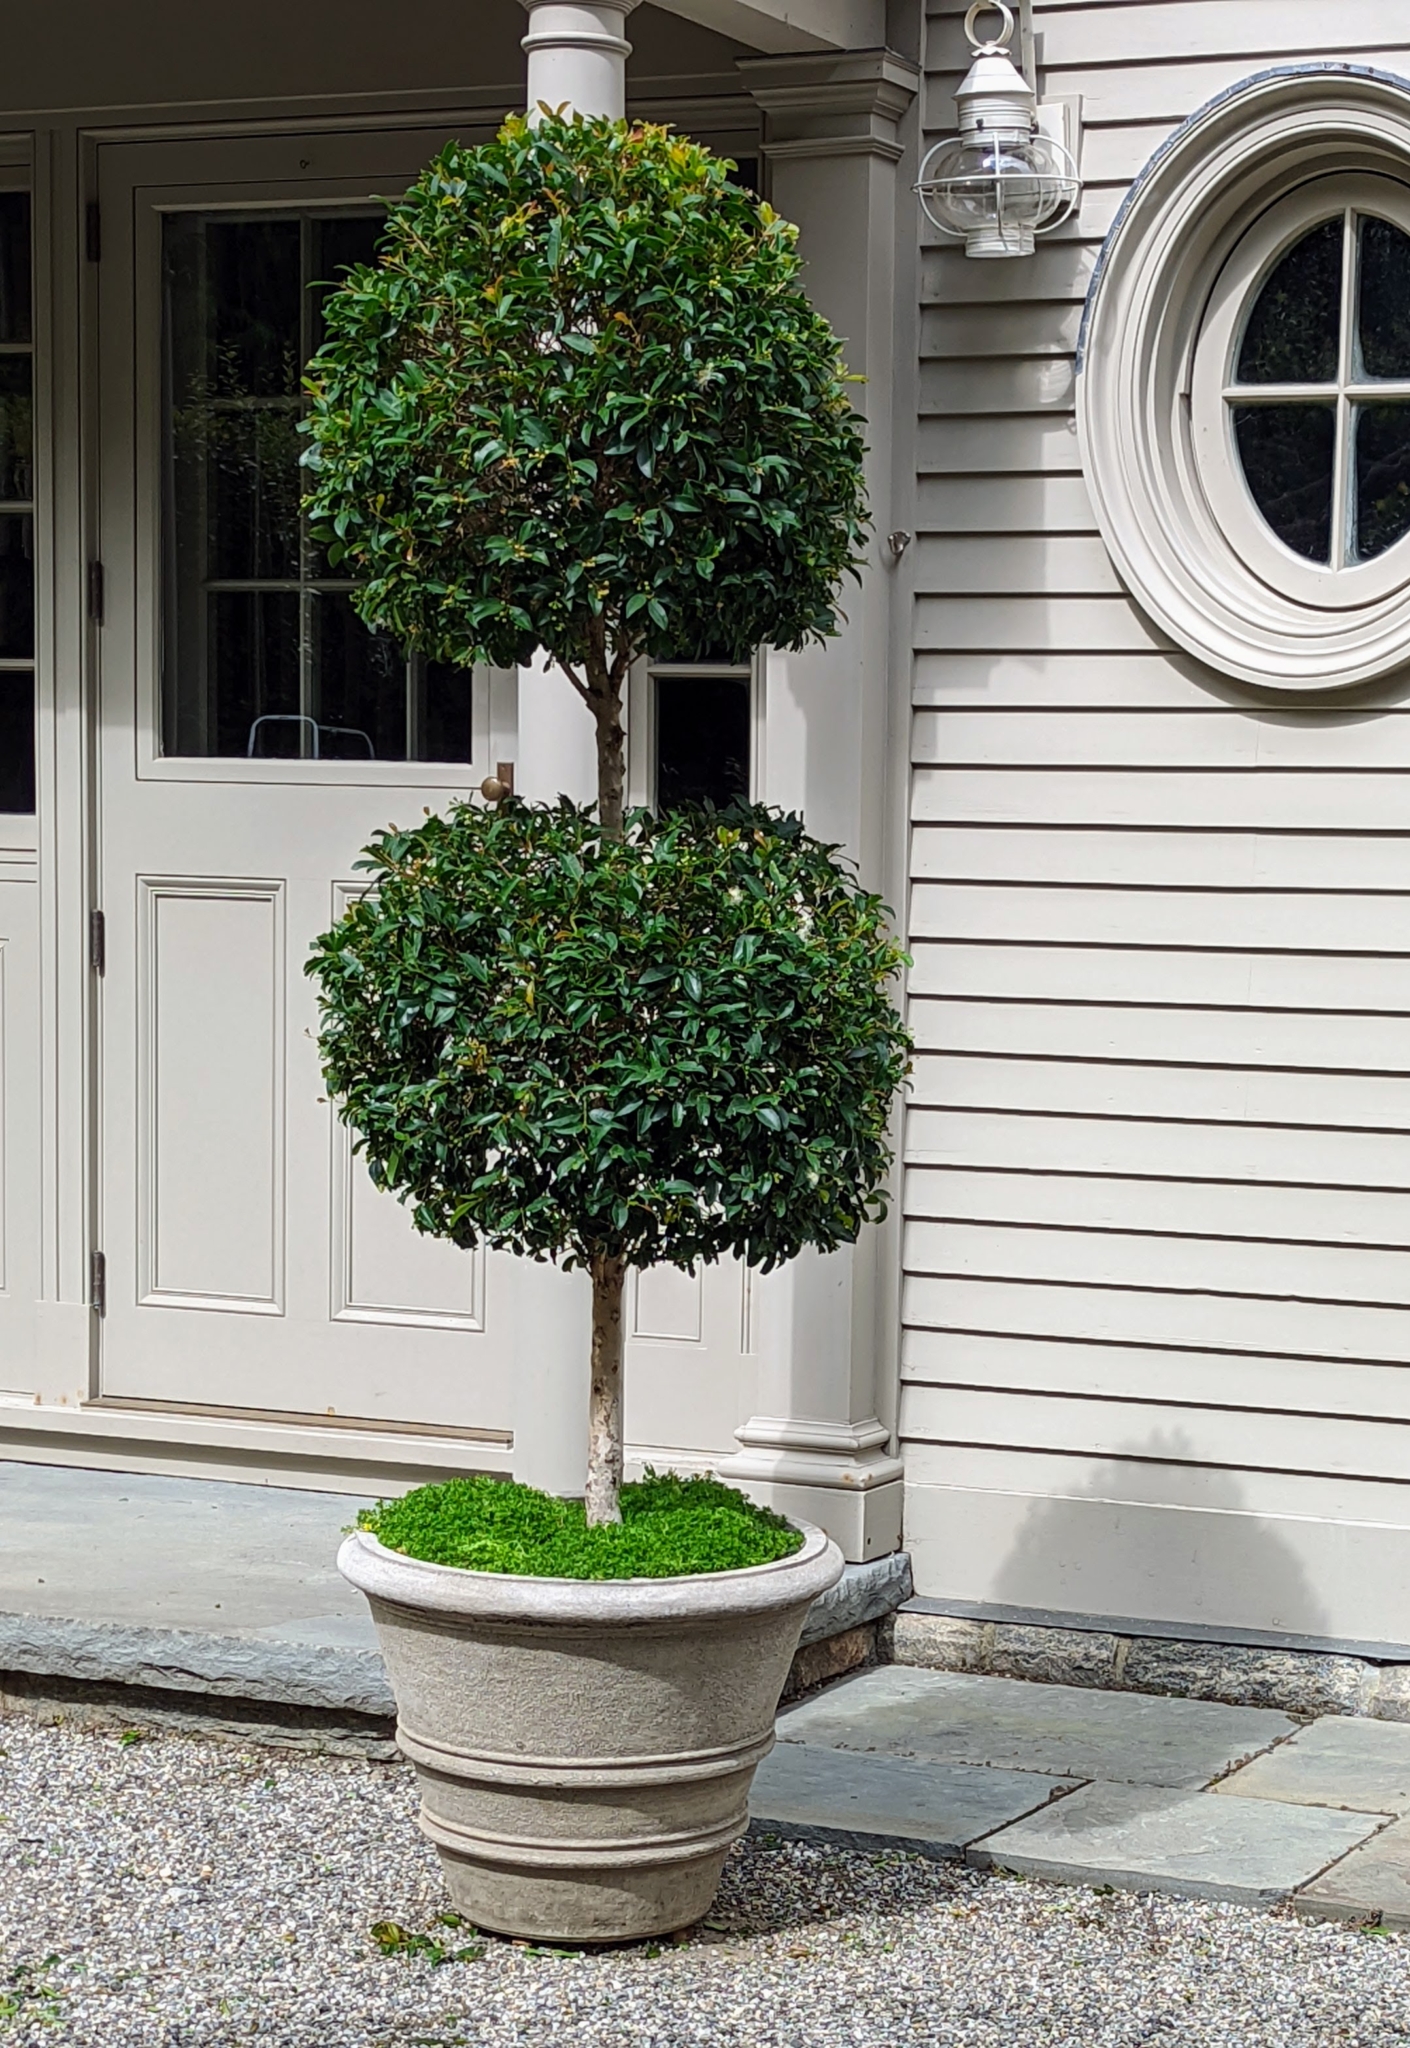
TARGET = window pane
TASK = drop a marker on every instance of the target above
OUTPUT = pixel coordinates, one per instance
(249, 666)
(245, 465)
(1294, 331)
(251, 702)
(359, 685)
(339, 242)
(16, 585)
(1382, 477)
(702, 740)
(16, 428)
(1384, 322)
(15, 315)
(1287, 453)
(16, 740)
(446, 701)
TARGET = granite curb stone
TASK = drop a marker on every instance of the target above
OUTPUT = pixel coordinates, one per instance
(1303, 1682)
(192, 1661)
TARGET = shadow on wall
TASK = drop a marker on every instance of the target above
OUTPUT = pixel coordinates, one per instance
(1154, 1536)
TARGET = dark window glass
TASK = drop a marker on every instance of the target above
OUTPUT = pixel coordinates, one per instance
(1384, 323)
(15, 288)
(359, 685)
(702, 740)
(445, 710)
(1382, 440)
(1294, 331)
(252, 705)
(16, 740)
(17, 586)
(17, 521)
(16, 428)
(1287, 453)
(746, 173)
(265, 656)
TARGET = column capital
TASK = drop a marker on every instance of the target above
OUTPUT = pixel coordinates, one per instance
(832, 102)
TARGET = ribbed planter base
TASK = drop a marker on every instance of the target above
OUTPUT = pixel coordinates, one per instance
(585, 1748)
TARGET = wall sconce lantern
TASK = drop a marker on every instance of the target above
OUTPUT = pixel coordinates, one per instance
(1003, 179)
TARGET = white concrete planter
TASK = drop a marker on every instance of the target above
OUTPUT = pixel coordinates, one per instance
(586, 1747)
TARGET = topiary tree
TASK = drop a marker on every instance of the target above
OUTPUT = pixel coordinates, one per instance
(582, 404)
(616, 1052)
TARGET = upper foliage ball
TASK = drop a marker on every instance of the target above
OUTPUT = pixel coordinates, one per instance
(583, 388)
(663, 1048)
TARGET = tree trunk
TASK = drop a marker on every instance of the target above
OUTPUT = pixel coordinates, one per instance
(611, 761)
(604, 1464)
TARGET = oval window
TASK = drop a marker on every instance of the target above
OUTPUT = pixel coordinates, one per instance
(1302, 391)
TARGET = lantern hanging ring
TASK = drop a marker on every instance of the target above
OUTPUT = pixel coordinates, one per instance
(998, 43)
(1001, 180)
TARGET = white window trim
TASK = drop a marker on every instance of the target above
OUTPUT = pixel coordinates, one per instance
(1201, 227)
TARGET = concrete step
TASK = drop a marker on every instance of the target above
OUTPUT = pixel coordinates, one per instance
(206, 1602)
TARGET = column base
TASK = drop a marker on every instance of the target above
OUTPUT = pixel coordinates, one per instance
(835, 1475)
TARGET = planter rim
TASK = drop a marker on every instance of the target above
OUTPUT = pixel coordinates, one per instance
(507, 1597)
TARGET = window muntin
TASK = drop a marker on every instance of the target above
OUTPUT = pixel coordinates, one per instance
(1327, 453)
(1301, 393)
(264, 657)
(17, 773)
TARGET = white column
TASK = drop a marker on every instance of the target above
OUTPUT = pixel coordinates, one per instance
(577, 56)
(817, 1445)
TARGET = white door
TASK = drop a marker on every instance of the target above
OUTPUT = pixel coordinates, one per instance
(253, 734)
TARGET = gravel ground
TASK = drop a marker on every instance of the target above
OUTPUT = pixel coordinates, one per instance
(174, 1893)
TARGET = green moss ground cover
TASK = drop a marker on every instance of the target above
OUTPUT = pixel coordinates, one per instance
(670, 1528)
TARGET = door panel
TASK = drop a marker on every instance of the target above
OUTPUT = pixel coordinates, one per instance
(250, 1263)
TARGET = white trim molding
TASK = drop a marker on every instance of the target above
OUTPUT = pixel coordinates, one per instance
(1143, 356)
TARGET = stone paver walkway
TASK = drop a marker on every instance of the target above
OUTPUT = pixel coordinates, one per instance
(1139, 1793)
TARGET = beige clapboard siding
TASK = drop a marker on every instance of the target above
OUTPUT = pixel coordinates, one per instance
(1328, 800)
(1060, 270)
(1290, 1039)
(1130, 33)
(1181, 1208)
(1111, 974)
(1000, 384)
(1120, 1372)
(1020, 441)
(1333, 1446)
(1232, 1323)
(1059, 564)
(1157, 859)
(1328, 1102)
(1085, 624)
(1205, 735)
(1153, 1468)
(1047, 682)
(986, 505)
(1050, 1142)
(1244, 1267)
(1240, 919)
(1158, 1184)
(1025, 328)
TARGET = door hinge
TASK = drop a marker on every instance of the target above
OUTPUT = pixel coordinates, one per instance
(98, 1282)
(93, 232)
(95, 592)
(97, 942)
